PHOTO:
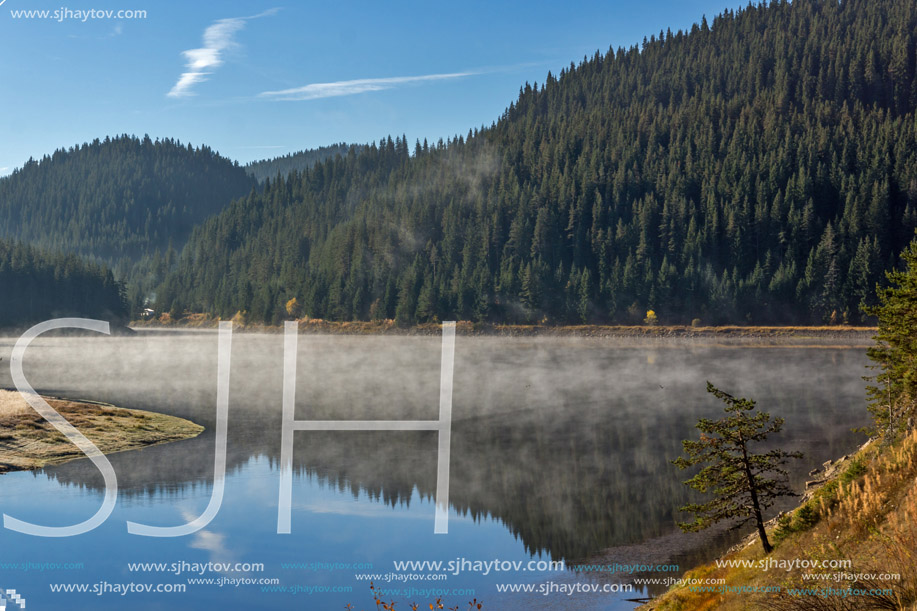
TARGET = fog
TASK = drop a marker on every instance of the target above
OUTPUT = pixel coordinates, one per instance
(566, 441)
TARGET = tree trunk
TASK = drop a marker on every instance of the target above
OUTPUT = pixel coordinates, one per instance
(752, 489)
(762, 534)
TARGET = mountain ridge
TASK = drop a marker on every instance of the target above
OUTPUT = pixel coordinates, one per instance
(762, 169)
(117, 198)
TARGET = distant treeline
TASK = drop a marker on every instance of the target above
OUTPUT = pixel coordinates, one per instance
(295, 162)
(37, 286)
(760, 168)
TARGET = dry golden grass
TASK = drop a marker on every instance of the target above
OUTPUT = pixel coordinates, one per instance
(390, 327)
(860, 503)
(28, 441)
(867, 514)
(12, 404)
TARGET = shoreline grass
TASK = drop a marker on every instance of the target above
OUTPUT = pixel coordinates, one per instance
(390, 327)
(28, 441)
(864, 511)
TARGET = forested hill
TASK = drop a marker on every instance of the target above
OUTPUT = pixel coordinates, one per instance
(37, 286)
(294, 162)
(119, 198)
(762, 167)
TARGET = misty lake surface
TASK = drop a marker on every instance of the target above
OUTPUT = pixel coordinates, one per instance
(560, 451)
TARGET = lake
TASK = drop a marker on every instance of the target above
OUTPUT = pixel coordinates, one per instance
(560, 451)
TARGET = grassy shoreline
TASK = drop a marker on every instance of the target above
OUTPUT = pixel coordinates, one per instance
(389, 327)
(27, 441)
(860, 508)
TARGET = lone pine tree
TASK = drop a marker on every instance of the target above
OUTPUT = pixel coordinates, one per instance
(743, 484)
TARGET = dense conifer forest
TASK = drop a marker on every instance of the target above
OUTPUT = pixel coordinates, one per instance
(758, 168)
(119, 198)
(37, 286)
(294, 162)
(761, 167)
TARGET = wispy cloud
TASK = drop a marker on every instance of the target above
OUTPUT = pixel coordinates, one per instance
(201, 63)
(316, 91)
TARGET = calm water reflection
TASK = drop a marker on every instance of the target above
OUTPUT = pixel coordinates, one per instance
(560, 451)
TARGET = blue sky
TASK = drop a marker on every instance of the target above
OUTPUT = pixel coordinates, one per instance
(261, 79)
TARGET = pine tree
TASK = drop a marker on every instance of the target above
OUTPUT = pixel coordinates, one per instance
(893, 397)
(744, 484)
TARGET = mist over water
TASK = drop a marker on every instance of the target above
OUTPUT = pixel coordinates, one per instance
(560, 447)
